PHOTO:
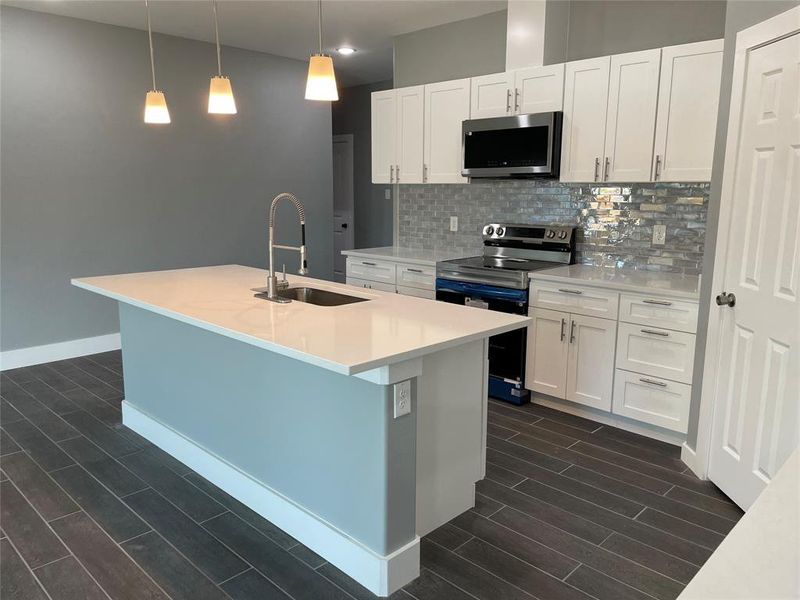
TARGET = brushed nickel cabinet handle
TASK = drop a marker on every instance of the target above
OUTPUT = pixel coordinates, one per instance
(397, 173)
(659, 302)
(605, 172)
(654, 332)
(563, 328)
(369, 264)
(508, 100)
(391, 173)
(424, 173)
(572, 332)
(656, 170)
(516, 99)
(568, 291)
(413, 270)
(652, 382)
(596, 167)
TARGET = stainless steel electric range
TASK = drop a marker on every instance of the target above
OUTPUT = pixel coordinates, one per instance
(498, 280)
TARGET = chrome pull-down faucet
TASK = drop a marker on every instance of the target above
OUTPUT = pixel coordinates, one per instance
(273, 285)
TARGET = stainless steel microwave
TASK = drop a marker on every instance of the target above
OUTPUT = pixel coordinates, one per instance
(518, 146)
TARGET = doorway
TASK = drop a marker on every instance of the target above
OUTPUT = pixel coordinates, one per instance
(343, 209)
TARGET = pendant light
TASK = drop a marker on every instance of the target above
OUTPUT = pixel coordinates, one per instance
(220, 93)
(321, 83)
(155, 105)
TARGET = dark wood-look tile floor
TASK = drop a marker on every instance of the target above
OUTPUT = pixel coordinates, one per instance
(569, 510)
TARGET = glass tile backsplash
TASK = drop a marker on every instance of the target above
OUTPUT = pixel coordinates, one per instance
(615, 222)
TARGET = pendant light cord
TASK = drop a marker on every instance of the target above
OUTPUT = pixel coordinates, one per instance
(150, 38)
(216, 33)
(319, 21)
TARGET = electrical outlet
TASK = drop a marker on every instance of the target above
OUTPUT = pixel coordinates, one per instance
(387, 193)
(453, 223)
(402, 398)
(659, 235)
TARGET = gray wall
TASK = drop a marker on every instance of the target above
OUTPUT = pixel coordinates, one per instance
(373, 212)
(740, 15)
(88, 189)
(465, 48)
(601, 28)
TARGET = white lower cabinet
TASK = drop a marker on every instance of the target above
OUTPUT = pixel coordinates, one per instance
(388, 276)
(416, 292)
(652, 400)
(370, 285)
(571, 357)
(656, 351)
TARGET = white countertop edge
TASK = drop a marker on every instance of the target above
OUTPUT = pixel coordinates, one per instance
(330, 365)
(612, 285)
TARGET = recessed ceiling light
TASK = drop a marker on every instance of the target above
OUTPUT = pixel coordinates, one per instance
(345, 50)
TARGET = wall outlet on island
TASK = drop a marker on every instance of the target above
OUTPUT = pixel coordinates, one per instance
(659, 235)
(453, 223)
(402, 398)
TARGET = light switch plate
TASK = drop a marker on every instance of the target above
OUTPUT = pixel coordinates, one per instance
(453, 223)
(659, 235)
(402, 398)
(387, 193)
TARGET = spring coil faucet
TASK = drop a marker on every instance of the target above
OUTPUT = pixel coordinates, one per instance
(273, 285)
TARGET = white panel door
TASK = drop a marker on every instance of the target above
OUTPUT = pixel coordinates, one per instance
(688, 99)
(631, 122)
(755, 423)
(546, 356)
(590, 366)
(585, 104)
(384, 135)
(410, 131)
(491, 95)
(446, 107)
(538, 89)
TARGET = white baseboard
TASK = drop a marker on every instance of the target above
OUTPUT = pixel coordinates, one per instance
(36, 355)
(382, 575)
(689, 458)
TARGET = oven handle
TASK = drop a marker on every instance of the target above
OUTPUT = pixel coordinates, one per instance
(482, 290)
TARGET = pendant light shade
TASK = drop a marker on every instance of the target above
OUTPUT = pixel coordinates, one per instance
(155, 104)
(155, 108)
(220, 92)
(321, 82)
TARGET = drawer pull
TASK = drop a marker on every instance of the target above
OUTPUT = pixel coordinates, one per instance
(409, 269)
(369, 264)
(652, 382)
(659, 302)
(568, 291)
(572, 332)
(654, 332)
(563, 327)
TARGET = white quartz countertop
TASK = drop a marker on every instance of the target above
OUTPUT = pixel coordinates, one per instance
(409, 255)
(348, 339)
(624, 279)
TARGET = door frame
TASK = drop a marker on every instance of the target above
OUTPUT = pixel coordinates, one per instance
(772, 30)
(349, 139)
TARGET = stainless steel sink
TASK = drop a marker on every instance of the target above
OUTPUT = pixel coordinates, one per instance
(316, 296)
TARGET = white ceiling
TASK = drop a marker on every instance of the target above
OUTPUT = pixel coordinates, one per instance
(284, 27)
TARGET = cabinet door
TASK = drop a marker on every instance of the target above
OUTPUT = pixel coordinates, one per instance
(384, 135)
(546, 356)
(585, 104)
(590, 366)
(491, 95)
(688, 99)
(631, 123)
(410, 129)
(539, 89)
(446, 106)
(416, 292)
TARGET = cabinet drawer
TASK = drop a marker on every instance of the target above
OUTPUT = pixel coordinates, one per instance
(579, 300)
(416, 276)
(680, 315)
(370, 285)
(416, 292)
(371, 270)
(652, 400)
(657, 352)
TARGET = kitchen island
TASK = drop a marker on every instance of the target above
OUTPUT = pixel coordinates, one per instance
(355, 428)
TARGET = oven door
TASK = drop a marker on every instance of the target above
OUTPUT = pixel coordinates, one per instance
(519, 146)
(506, 350)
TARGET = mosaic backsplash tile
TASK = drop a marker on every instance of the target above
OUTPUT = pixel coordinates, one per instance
(615, 223)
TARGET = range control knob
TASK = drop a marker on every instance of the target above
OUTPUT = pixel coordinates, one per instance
(551, 234)
(500, 232)
(488, 230)
(562, 235)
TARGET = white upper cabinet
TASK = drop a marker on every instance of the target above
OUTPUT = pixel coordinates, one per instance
(630, 124)
(585, 110)
(447, 104)
(687, 111)
(538, 89)
(492, 95)
(384, 135)
(410, 132)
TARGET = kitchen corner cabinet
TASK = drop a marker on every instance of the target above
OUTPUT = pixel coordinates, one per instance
(397, 130)
(447, 104)
(519, 92)
(688, 101)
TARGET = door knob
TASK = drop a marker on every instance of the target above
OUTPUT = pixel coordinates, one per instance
(726, 299)
(344, 225)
